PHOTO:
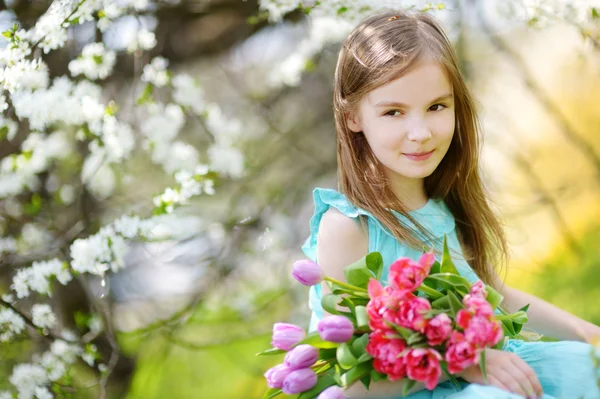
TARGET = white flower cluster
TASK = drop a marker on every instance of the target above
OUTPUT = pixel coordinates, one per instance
(156, 72)
(11, 324)
(95, 62)
(540, 12)
(42, 315)
(161, 127)
(31, 379)
(143, 40)
(19, 171)
(112, 10)
(25, 75)
(188, 93)
(37, 277)
(328, 22)
(8, 245)
(190, 184)
(106, 249)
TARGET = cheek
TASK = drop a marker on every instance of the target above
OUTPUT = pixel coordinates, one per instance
(444, 127)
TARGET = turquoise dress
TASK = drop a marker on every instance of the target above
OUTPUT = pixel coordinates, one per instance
(564, 368)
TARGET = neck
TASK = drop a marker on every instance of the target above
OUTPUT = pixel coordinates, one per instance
(411, 192)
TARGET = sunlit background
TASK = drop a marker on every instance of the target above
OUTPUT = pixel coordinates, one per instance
(189, 314)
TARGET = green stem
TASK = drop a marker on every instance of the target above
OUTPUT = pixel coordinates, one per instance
(430, 291)
(345, 285)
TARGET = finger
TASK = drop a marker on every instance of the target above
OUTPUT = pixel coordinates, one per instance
(492, 380)
(510, 382)
(529, 374)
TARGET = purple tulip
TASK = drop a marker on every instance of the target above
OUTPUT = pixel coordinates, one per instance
(335, 329)
(299, 381)
(276, 375)
(302, 356)
(307, 272)
(333, 392)
(286, 335)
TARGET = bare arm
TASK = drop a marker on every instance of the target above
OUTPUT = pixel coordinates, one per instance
(342, 241)
(546, 318)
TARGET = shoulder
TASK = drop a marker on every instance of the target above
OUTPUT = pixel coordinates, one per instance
(341, 240)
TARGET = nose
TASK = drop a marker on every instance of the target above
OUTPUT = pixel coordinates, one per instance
(418, 131)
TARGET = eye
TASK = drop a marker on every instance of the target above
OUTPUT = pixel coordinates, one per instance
(393, 112)
(437, 107)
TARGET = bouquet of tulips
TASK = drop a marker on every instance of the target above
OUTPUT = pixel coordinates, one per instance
(429, 320)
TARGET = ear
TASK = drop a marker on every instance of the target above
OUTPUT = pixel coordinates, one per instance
(353, 122)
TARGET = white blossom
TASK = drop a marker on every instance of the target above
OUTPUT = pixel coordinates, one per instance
(43, 393)
(11, 324)
(187, 92)
(95, 62)
(8, 245)
(25, 75)
(67, 194)
(35, 236)
(37, 277)
(144, 40)
(156, 72)
(127, 226)
(6, 395)
(98, 176)
(65, 351)
(227, 160)
(181, 156)
(43, 316)
(27, 378)
(226, 130)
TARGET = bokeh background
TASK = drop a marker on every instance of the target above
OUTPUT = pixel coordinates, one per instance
(189, 314)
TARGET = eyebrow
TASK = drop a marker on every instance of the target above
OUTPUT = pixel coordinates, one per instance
(402, 105)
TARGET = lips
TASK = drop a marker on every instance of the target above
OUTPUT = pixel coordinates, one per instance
(417, 154)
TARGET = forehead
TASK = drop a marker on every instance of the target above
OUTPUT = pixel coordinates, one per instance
(424, 82)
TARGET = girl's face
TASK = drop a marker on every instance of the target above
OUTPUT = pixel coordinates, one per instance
(408, 122)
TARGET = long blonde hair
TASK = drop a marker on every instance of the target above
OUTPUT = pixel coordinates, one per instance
(382, 48)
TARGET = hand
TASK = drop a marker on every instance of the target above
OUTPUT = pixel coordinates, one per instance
(507, 371)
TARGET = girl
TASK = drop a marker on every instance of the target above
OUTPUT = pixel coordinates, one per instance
(408, 147)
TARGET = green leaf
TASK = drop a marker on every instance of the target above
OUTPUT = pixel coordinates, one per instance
(146, 95)
(376, 376)
(337, 376)
(595, 14)
(324, 381)
(269, 352)
(355, 373)
(442, 303)
(271, 393)
(345, 357)
(374, 262)
(348, 303)
(482, 367)
(358, 274)
(436, 268)
(455, 303)
(327, 354)
(366, 381)
(362, 318)
(365, 357)
(404, 332)
(508, 328)
(407, 386)
(525, 308)
(414, 338)
(315, 340)
(359, 345)
(329, 303)
(342, 10)
(449, 281)
(447, 265)
(493, 297)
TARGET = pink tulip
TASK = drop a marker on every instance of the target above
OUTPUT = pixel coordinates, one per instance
(463, 318)
(438, 329)
(478, 305)
(478, 289)
(460, 353)
(411, 313)
(286, 335)
(276, 375)
(483, 332)
(387, 352)
(335, 329)
(307, 272)
(407, 275)
(424, 365)
(302, 356)
(299, 381)
(333, 392)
